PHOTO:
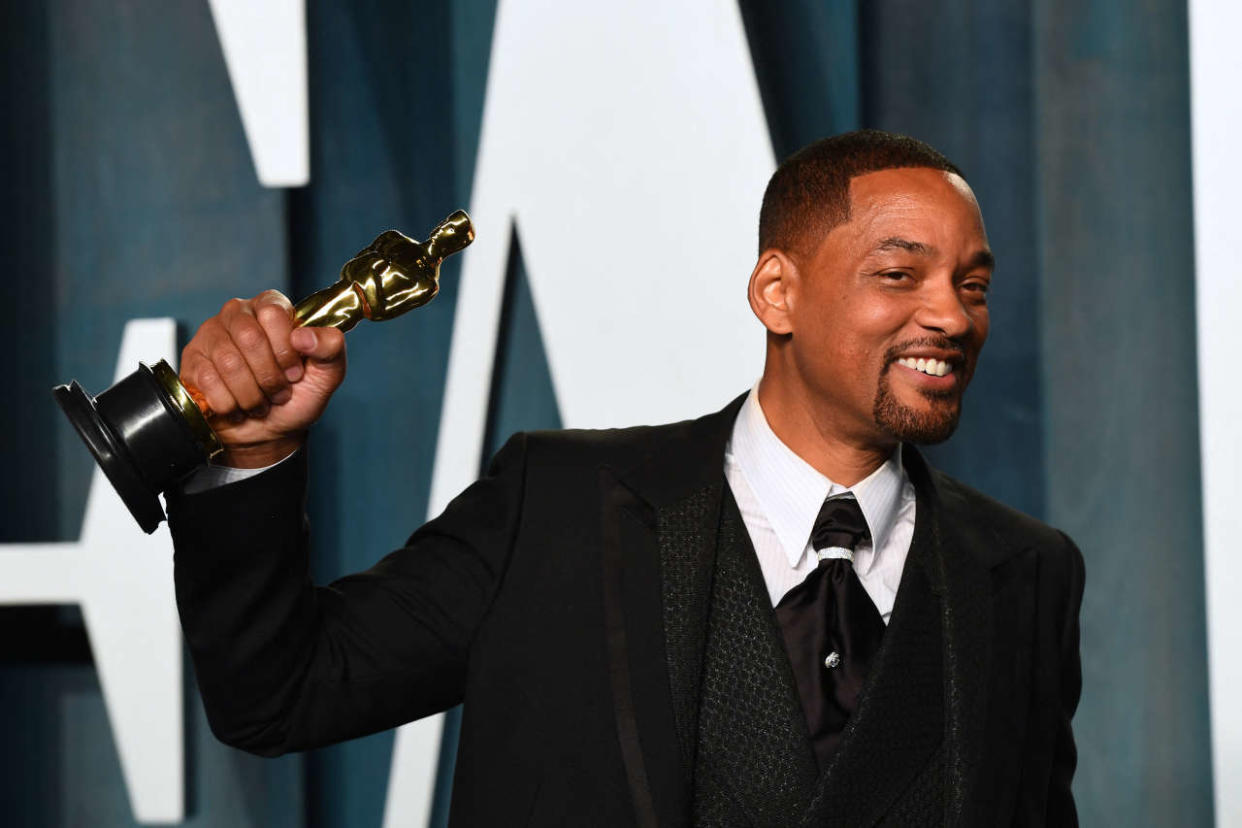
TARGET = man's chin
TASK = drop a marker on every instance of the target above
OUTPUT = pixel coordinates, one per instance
(927, 421)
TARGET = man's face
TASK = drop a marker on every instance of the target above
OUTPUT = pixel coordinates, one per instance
(902, 284)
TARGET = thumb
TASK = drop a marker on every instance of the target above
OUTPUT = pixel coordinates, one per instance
(319, 344)
(324, 350)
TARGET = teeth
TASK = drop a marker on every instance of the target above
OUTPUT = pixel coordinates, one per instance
(932, 367)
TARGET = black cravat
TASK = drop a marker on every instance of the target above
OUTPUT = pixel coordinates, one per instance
(831, 627)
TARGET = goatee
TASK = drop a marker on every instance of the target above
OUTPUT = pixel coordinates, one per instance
(925, 426)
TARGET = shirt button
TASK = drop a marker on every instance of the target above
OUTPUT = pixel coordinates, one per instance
(833, 659)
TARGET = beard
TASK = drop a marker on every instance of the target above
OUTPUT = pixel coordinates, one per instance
(927, 425)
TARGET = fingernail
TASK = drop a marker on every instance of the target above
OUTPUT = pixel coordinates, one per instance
(303, 339)
(294, 373)
(282, 396)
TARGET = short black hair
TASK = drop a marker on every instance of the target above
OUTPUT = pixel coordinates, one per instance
(809, 194)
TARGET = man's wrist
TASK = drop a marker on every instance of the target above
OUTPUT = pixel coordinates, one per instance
(260, 455)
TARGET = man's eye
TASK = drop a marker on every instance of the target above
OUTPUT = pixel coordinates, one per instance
(894, 275)
(978, 291)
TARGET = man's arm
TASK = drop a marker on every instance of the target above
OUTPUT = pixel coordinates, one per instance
(284, 665)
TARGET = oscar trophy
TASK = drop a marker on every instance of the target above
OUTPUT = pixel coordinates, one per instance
(149, 431)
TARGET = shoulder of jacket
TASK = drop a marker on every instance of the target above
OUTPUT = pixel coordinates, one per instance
(605, 445)
(1015, 529)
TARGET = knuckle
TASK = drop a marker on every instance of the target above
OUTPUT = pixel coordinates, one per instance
(204, 374)
(228, 361)
(249, 337)
(274, 299)
(285, 355)
(272, 312)
(218, 397)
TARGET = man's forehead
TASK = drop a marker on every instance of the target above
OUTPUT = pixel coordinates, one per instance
(909, 182)
(911, 195)
(915, 209)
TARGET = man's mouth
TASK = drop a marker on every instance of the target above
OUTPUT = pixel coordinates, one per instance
(931, 367)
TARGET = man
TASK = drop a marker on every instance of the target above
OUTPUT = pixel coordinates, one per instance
(773, 615)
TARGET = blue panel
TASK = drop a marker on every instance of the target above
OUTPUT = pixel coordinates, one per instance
(522, 395)
(1117, 259)
(806, 58)
(133, 194)
(157, 211)
(60, 765)
(28, 432)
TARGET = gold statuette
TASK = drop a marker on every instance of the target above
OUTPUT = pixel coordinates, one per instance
(390, 276)
(149, 430)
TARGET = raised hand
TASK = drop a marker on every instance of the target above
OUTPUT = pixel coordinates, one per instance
(264, 382)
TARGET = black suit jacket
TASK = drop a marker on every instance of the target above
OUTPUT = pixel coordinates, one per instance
(563, 598)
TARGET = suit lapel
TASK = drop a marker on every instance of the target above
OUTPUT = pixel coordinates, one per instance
(968, 622)
(659, 522)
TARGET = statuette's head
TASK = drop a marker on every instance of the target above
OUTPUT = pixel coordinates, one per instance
(452, 235)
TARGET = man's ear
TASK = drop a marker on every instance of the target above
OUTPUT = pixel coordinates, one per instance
(772, 284)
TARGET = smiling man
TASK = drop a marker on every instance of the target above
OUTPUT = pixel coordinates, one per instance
(777, 614)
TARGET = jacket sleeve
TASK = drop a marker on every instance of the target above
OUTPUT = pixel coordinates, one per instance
(1061, 810)
(283, 665)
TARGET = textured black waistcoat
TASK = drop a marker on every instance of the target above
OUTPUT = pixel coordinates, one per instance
(753, 764)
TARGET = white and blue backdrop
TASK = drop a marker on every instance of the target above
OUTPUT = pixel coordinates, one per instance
(157, 158)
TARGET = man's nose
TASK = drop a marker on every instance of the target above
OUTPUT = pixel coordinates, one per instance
(942, 310)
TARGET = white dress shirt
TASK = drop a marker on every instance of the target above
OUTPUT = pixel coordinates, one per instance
(779, 495)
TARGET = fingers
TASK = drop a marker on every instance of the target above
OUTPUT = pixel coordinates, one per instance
(275, 314)
(241, 358)
(197, 370)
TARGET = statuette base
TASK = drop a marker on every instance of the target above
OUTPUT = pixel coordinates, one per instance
(140, 436)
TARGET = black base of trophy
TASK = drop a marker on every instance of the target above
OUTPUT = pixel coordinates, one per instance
(139, 438)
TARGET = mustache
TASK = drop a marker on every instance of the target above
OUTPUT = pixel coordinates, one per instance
(942, 343)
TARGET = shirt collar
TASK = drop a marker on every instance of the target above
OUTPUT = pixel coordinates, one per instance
(790, 491)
